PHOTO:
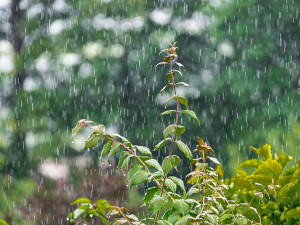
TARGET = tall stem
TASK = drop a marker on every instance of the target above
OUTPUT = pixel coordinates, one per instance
(177, 110)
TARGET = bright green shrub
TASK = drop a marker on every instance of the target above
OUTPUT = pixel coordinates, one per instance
(273, 191)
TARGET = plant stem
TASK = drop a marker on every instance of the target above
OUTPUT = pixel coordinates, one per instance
(139, 159)
(161, 192)
(177, 110)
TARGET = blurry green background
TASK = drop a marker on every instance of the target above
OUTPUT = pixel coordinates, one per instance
(62, 61)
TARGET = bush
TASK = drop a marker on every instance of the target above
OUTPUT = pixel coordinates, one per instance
(243, 199)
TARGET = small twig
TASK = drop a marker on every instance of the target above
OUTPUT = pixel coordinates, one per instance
(124, 216)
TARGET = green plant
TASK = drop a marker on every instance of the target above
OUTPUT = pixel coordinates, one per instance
(204, 202)
(273, 191)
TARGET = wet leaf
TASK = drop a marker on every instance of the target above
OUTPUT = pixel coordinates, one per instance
(157, 203)
(220, 170)
(169, 130)
(115, 147)
(178, 182)
(93, 140)
(150, 192)
(264, 151)
(251, 163)
(142, 149)
(185, 149)
(171, 185)
(105, 149)
(167, 113)
(161, 144)
(138, 177)
(182, 83)
(166, 165)
(191, 114)
(175, 160)
(183, 101)
(181, 206)
(179, 64)
(100, 129)
(161, 63)
(164, 88)
(155, 164)
(167, 59)
(292, 213)
(81, 200)
(274, 166)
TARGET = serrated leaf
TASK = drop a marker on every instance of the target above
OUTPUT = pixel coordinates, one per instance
(81, 200)
(178, 182)
(185, 149)
(169, 130)
(139, 177)
(150, 192)
(143, 149)
(167, 113)
(166, 165)
(115, 147)
(191, 114)
(170, 184)
(100, 129)
(175, 160)
(133, 170)
(92, 140)
(122, 159)
(161, 144)
(155, 164)
(157, 203)
(105, 149)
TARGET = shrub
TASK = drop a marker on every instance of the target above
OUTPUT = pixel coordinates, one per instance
(208, 200)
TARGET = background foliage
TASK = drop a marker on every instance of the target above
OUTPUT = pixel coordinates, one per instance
(95, 60)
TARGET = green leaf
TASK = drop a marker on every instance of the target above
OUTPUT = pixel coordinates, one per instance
(2, 222)
(220, 170)
(155, 164)
(81, 200)
(191, 114)
(164, 88)
(77, 129)
(115, 147)
(167, 113)
(180, 129)
(179, 64)
(264, 151)
(178, 182)
(185, 149)
(167, 165)
(157, 203)
(105, 149)
(142, 149)
(226, 218)
(126, 161)
(182, 83)
(163, 222)
(122, 159)
(161, 144)
(175, 72)
(288, 189)
(139, 177)
(78, 213)
(175, 160)
(251, 163)
(171, 185)
(150, 192)
(241, 221)
(181, 206)
(184, 220)
(283, 159)
(133, 170)
(274, 167)
(161, 63)
(169, 130)
(292, 213)
(93, 140)
(100, 129)
(183, 101)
